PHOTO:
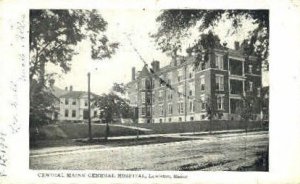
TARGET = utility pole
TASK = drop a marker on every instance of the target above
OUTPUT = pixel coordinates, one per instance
(185, 96)
(89, 106)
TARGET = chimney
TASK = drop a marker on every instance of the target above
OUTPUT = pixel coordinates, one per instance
(155, 66)
(66, 88)
(236, 45)
(133, 73)
(71, 88)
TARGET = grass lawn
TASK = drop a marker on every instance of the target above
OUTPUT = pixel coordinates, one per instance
(111, 143)
(69, 131)
(63, 133)
(203, 126)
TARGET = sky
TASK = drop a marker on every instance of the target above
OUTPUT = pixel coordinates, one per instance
(137, 24)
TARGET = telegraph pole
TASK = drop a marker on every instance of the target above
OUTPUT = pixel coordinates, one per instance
(89, 106)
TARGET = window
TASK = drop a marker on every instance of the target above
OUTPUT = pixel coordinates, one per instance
(220, 102)
(169, 81)
(250, 69)
(66, 113)
(180, 107)
(219, 62)
(202, 83)
(191, 72)
(143, 81)
(250, 86)
(67, 101)
(148, 111)
(148, 98)
(170, 119)
(192, 89)
(143, 97)
(160, 95)
(236, 87)
(202, 65)
(170, 95)
(258, 92)
(191, 118)
(170, 109)
(220, 82)
(180, 91)
(191, 105)
(95, 113)
(203, 103)
(74, 102)
(153, 84)
(169, 78)
(161, 78)
(179, 78)
(180, 119)
(180, 75)
(147, 84)
(161, 110)
(153, 98)
(143, 112)
(85, 103)
(73, 113)
(160, 120)
(235, 67)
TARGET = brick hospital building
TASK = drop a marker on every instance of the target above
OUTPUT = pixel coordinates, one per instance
(223, 77)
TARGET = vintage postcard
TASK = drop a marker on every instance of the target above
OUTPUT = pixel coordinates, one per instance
(149, 92)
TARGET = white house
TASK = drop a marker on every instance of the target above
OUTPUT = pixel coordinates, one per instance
(73, 106)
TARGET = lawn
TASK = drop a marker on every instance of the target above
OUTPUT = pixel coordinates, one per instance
(76, 130)
(69, 131)
(100, 141)
(203, 126)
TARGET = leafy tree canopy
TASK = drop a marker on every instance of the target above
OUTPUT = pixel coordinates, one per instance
(174, 25)
(112, 106)
(119, 87)
(54, 35)
(250, 106)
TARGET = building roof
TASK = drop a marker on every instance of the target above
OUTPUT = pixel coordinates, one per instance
(76, 94)
(144, 72)
(188, 60)
(57, 91)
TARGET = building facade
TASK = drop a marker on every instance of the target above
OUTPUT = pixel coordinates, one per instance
(73, 106)
(223, 78)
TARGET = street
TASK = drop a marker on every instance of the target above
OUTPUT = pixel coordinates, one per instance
(206, 152)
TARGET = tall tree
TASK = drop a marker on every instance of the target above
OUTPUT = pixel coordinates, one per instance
(174, 26)
(112, 106)
(53, 37)
(250, 106)
(119, 88)
(211, 110)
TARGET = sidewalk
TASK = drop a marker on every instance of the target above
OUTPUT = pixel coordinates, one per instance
(190, 135)
(183, 135)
